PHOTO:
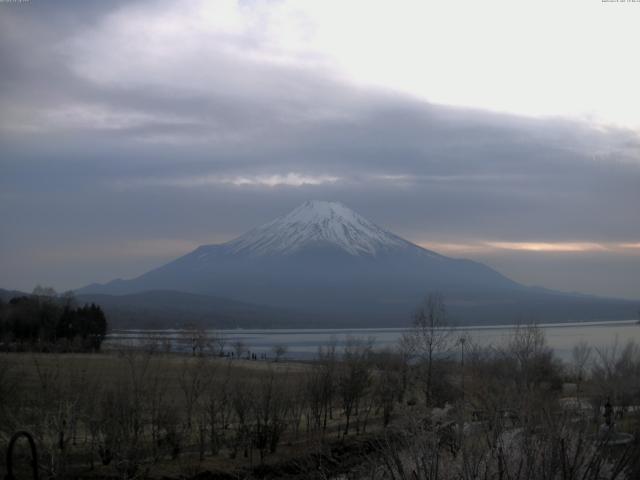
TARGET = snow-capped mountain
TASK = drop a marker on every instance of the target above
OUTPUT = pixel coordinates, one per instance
(326, 259)
(315, 223)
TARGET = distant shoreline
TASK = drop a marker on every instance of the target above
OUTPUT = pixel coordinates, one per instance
(381, 329)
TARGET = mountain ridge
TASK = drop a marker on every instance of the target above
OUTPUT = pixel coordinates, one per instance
(315, 222)
(175, 309)
(324, 258)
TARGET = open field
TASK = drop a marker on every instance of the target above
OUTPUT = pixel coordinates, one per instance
(169, 400)
(515, 413)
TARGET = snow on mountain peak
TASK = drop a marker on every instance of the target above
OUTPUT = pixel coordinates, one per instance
(318, 223)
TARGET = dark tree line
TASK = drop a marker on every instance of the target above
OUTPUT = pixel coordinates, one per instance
(50, 322)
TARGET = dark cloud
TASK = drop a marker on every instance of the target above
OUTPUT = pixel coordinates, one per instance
(164, 149)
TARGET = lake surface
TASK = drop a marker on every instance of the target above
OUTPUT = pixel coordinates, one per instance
(303, 344)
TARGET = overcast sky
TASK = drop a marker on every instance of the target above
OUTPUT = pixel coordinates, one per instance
(507, 132)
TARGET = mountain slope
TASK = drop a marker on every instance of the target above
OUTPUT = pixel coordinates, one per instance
(316, 223)
(171, 309)
(324, 258)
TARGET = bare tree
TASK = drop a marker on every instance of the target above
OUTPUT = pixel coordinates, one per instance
(193, 381)
(616, 371)
(328, 362)
(242, 396)
(527, 360)
(354, 377)
(581, 354)
(216, 342)
(239, 348)
(279, 351)
(157, 406)
(45, 292)
(270, 409)
(430, 337)
(316, 404)
(218, 408)
(10, 394)
(388, 382)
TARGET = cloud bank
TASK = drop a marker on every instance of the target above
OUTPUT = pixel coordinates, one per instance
(191, 122)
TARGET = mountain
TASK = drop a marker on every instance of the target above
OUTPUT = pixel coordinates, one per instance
(325, 259)
(318, 224)
(171, 309)
(6, 295)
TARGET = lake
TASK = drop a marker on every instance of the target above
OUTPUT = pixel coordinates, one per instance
(302, 344)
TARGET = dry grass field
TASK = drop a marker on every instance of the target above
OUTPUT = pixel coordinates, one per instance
(514, 413)
(132, 413)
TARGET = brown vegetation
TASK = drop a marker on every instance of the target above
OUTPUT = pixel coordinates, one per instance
(503, 414)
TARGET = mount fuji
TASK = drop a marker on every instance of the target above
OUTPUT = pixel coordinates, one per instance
(325, 261)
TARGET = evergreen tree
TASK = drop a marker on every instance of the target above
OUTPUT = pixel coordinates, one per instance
(43, 319)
